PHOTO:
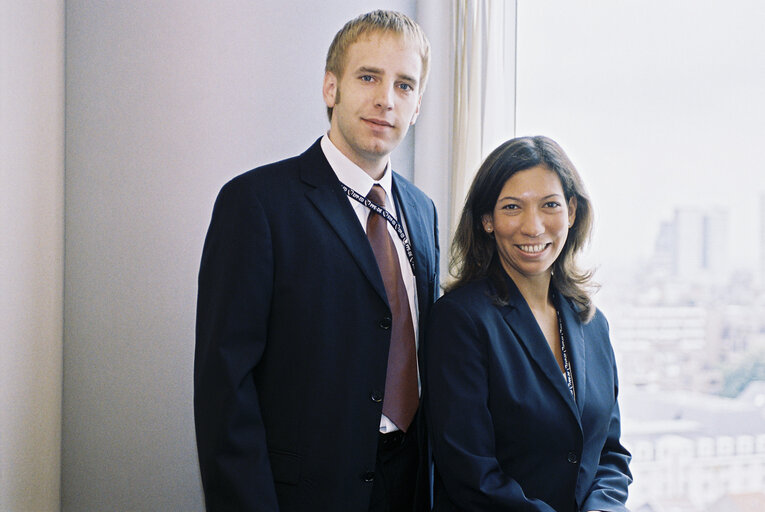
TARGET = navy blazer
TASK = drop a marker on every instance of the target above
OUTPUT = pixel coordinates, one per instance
(506, 432)
(293, 328)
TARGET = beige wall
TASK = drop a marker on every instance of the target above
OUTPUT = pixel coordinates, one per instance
(31, 252)
(166, 100)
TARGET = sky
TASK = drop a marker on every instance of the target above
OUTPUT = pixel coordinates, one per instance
(659, 104)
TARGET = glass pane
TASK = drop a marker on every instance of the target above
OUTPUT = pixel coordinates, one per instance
(661, 106)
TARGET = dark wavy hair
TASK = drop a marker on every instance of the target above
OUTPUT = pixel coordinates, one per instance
(474, 252)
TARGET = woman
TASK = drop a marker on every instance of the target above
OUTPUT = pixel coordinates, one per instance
(521, 379)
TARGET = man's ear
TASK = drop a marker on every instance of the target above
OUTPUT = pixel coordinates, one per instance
(416, 111)
(329, 89)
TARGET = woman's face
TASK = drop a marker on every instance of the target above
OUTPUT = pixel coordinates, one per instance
(530, 222)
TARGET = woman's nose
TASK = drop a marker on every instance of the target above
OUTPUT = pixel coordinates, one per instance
(532, 224)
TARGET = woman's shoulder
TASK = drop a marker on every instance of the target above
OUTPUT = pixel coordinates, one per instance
(598, 321)
(596, 329)
(478, 291)
(475, 299)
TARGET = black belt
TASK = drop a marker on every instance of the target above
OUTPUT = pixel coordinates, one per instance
(391, 440)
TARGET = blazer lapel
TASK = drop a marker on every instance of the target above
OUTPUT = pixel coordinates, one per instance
(573, 331)
(417, 231)
(521, 320)
(332, 204)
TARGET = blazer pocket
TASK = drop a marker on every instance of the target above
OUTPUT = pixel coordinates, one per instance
(285, 466)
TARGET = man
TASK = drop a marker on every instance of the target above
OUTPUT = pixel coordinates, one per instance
(310, 301)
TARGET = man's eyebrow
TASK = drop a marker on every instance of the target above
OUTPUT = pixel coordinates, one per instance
(408, 78)
(367, 69)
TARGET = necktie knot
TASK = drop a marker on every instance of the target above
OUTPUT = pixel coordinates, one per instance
(377, 195)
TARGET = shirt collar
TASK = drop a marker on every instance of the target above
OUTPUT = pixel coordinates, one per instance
(354, 176)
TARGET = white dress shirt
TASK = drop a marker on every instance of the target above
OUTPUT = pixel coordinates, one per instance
(356, 178)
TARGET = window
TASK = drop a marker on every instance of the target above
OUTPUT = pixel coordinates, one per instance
(660, 107)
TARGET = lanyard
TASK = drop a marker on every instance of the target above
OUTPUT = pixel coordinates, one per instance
(387, 216)
(566, 364)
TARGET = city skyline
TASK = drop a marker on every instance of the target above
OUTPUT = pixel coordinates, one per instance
(659, 106)
(691, 358)
(655, 112)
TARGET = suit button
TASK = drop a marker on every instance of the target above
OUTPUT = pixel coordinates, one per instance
(376, 396)
(573, 458)
(368, 476)
(386, 322)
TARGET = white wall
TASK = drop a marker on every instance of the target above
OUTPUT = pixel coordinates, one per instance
(31, 252)
(165, 102)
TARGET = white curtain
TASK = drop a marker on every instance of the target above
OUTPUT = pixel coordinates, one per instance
(484, 89)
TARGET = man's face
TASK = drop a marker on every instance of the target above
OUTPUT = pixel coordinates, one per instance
(380, 99)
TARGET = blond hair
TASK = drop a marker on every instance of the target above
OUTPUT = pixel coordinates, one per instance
(377, 22)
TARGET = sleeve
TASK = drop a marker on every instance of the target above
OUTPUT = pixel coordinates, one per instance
(462, 430)
(235, 284)
(609, 488)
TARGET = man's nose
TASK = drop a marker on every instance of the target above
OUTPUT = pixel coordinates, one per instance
(385, 96)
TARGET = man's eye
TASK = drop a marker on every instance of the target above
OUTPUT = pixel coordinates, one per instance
(406, 87)
(367, 78)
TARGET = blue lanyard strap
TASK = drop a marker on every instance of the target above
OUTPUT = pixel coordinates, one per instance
(564, 354)
(387, 216)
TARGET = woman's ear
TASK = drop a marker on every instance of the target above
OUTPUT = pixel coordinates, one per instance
(488, 223)
(571, 211)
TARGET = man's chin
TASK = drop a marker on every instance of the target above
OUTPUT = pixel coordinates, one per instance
(381, 148)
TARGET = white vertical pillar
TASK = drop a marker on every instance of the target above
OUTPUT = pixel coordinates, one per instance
(433, 131)
(31, 252)
(761, 267)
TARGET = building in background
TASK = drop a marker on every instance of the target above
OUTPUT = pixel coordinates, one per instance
(693, 394)
(692, 450)
(693, 246)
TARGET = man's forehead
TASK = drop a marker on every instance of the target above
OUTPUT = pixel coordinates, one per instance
(370, 47)
(375, 36)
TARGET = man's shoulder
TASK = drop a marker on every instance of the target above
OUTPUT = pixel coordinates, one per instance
(406, 187)
(274, 174)
(268, 173)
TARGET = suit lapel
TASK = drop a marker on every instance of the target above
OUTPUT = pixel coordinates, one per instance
(417, 231)
(573, 331)
(521, 320)
(332, 203)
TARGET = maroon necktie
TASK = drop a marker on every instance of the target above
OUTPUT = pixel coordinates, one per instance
(401, 395)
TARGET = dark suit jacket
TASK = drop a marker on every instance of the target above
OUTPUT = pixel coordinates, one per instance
(293, 328)
(506, 432)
